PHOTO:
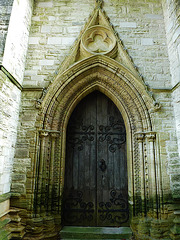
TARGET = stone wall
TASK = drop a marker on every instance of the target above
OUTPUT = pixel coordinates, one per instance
(57, 24)
(172, 24)
(17, 39)
(14, 29)
(9, 110)
(5, 12)
(172, 20)
(10, 88)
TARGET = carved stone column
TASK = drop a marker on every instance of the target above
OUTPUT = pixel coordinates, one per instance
(140, 138)
(51, 168)
(151, 136)
(42, 135)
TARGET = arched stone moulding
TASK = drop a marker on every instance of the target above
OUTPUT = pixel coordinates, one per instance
(135, 104)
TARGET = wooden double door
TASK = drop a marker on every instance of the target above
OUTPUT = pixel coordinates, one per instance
(96, 190)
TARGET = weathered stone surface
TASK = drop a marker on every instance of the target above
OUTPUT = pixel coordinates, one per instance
(149, 32)
(9, 111)
(17, 41)
(5, 12)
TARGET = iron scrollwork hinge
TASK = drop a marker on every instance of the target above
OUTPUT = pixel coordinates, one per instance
(114, 211)
(79, 135)
(77, 210)
(114, 134)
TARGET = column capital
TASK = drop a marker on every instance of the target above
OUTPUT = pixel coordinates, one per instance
(43, 134)
(151, 136)
(139, 136)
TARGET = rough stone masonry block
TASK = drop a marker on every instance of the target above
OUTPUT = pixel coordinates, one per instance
(154, 16)
(18, 177)
(18, 188)
(6, 2)
(22, 163)
(147, 41)
(128, 24)
(22, 152)
(54, 40)
(74, 29)
(45, 4)
(34, 40)
(46, 29)
(46, 62)
(68, 40)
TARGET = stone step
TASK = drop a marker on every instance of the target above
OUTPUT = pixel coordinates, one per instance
(106, 233)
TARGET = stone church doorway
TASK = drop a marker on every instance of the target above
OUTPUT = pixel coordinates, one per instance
(96, 184)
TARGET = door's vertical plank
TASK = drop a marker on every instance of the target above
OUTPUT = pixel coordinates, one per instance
(112, 191)
(81, 156)
(112, 159)
(102, 152)
(89, 157)
(79, 192)
(105, 173)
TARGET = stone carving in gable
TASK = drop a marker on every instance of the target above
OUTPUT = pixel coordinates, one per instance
(98, 40)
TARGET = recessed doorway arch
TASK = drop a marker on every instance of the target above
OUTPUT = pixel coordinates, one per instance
(96, 185)
(130, 96)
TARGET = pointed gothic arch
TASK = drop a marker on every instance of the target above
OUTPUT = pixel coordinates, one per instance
(130, 96)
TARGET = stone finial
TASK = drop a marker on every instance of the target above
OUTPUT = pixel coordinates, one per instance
(99, 3)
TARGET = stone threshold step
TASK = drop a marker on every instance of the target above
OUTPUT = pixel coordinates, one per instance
(121, 233)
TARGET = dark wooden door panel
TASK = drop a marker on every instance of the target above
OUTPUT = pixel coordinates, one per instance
(95, 192)
(80, 179)
(111, 150)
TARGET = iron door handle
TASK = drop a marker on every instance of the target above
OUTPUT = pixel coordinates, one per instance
(102, 165)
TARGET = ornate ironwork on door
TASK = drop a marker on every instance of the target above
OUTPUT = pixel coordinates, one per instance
(95, 191)
(76, 210)
(114, 211)
(79, 134)
(114, 134)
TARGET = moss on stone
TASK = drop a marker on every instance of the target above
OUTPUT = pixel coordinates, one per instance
(4, 235)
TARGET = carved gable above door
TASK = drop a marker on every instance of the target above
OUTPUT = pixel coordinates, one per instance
(98, 37)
